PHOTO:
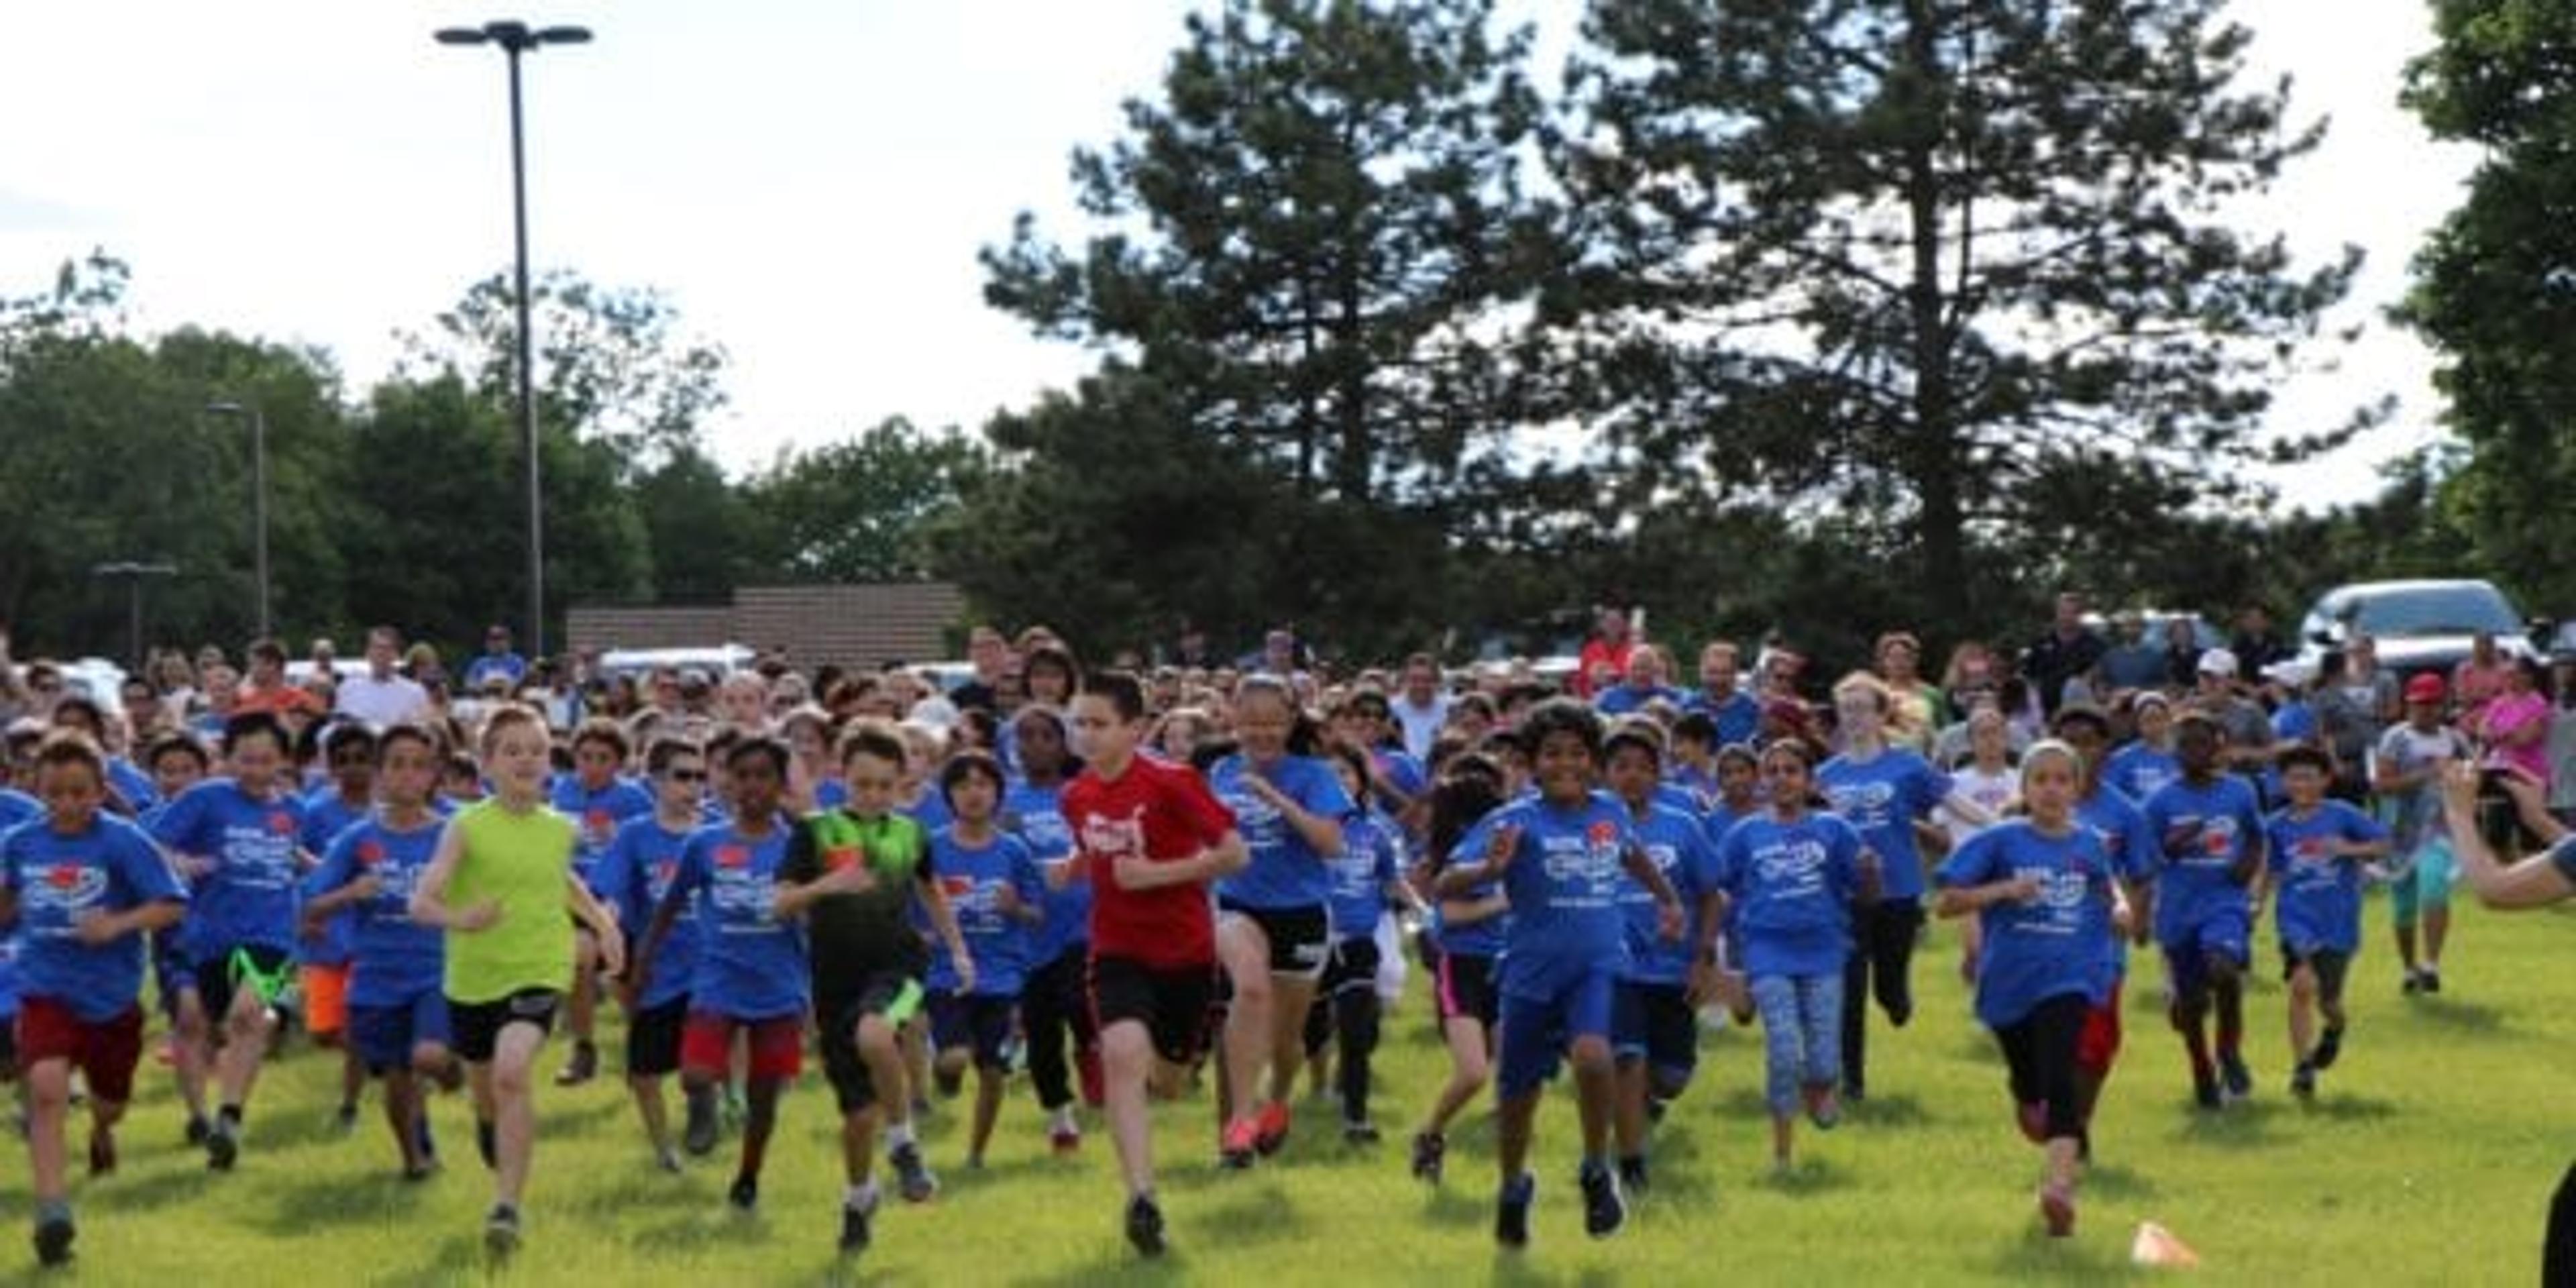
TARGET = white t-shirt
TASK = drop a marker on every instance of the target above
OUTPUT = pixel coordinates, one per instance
(2419, 812)
(381, 702)
(1990, 792)
(1421, 724)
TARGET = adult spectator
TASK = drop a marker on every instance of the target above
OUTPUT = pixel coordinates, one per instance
(497, 659)
(2478, 678)
(1605, 656)
(1643, 682)
(2249, 731)
(988, 652)
(2348, 724)
(1421, 707)
(1721, 695)
(2182, 654)
(2370, 684)
(1916, 707)
(2069, 649)
(2133, 661)
(2257, 644)
(382, 697)
(267, 688)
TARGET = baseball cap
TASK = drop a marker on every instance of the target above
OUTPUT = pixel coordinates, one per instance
(2427, 687)
(2218, 661)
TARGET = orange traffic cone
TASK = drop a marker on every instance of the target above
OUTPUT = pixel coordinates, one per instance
(2157, 1246)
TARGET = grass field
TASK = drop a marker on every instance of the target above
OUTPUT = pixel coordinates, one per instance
(2428, 1157)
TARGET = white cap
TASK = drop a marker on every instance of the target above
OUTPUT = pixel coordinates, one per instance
(2218, 661)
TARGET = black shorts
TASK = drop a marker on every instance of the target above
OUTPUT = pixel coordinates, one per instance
(1353, 965)
(8, 1046)
(2329, 965)
(1172, 1003)
(477, 1025)
(653, 1038)
(982, 1024)
(893, 994)
(1299, 937)
(220, 976)
(1465, 988)
(1655, 1023)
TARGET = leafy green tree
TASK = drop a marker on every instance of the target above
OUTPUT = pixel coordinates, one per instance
(707, 534)
(860, 509)
(1949, 269)
(2495, 286)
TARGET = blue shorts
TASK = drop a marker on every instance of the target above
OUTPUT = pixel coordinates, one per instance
(385, 1035)
(2226, 934)
(1537, 1030)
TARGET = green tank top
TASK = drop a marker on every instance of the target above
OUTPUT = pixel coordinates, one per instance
(853, 936)
(520, 860)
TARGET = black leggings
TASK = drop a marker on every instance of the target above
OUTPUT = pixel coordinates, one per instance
(2040, 1048)
(1346, 1007)
(1054, 1006)
(1881, 961)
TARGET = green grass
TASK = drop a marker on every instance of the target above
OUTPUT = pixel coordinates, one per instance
(2429, 1156)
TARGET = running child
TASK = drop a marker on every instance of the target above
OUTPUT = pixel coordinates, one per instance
(2115, 819)
(599, 798)
(348, 750)
(1463, 937)
(2048, 893)
(750, 973)
(178, 761)
(499, 885)
(1559, 856)
(1150, 839)
(2209, 836)
(1654, 1013)
(1367, 876)
(2317, 848)
(993, 889)
(83, 889)
(238, 838)
(634, 880)
(398, 1021)
(2409, 764)
(1055, 1009)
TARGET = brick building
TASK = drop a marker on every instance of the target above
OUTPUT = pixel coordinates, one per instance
(862, 626)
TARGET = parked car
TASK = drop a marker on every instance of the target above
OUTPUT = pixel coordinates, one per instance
(2417, 625)
(713, 663)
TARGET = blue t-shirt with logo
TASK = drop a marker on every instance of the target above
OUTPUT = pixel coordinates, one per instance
(633, 878)
(1738, 715)
(751, 965)
(2053, 945)
(394, 959)
(1881, 797)
(2319, 906)
(59, 880)
(249, 898)
(596, 816)
(1623, 698)
(326, 815)
(2200, 833)
(1372, 855)
(1564, 884)
(1790, 886)
(2123, 830)
(1677, 844)
(2139, 768)
(1036, 815)
(973, 878)
(17, 807)
(1285, 871)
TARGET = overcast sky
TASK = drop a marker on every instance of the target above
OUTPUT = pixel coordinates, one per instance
(809, 180)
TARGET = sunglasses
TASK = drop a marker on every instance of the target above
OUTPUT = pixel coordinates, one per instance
(685, 775)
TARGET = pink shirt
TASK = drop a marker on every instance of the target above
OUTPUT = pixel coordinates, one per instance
(2508, 713)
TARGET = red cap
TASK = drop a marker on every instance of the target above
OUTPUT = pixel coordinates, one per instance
(2426, 687)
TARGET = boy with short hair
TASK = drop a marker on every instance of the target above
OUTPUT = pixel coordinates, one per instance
(2208, 831)
(84, 888)
(633, 880)
(2317, 847)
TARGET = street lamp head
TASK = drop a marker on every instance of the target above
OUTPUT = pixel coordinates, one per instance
(563, 36)
(461, 36)
(225, 407)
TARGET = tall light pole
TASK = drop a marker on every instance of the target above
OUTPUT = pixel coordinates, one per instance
(259, 491)
(514, 39)
(134, 573)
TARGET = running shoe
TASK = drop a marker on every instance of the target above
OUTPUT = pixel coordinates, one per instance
(912, 1176)
(698, 1136)
(1145, 1225)
(1603, 1210)
(855, 1231)
(1429, 1148)
(2238, 1079)
(1512, 1209)
(501, 1230)
(54, 1240)
(1240, 1144)
(2057, 1208)
(2303, 1081)
(1272, 1125)
(744, 1193)
(581, 1068)
(1064, 1138)
(2329, 1047)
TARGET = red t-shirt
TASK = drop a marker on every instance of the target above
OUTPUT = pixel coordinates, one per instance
(1166, 813)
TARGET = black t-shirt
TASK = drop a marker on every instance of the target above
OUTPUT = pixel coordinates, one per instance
(2055, 659)
(851, 937)
(975, 693)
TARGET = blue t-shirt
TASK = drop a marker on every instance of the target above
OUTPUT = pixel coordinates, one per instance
(751, 965)
(1791, 887)
(2320, 901)
(2123, 831)
(2139, 768)
(1036, 815)
(1473, 938)
(326, 816)
(17, 807)
(108, 867)
(831, 794)
(973, 879)
(1285, 871)
(1677, 844)
(2056, 944)
(1564, 884)
(2200, 833)
(1881, 797)
(1622, 698)
(1402, 773)
(393, 958)
(1372, 854)
(249, 898)
(132, 784)
(596, 816)
(633, 878)
(1738, 715)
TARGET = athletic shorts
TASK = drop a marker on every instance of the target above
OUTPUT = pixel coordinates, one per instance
(221, 975)
(383, 1036)
(653, 1038)
(326, 999)
(1466, 988)
(2099, 1043)
(1171, 1002)
(1655, 1023)
(104, 1051)
(1537, 1030)
(2220, 935)
(776, 1045)
(893, 994)
(478, 1024)
(2329, 964)
(8, 1046)
(1353, 964)
(974, 1022)
(1299, 937)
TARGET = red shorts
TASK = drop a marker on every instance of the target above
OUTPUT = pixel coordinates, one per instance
(105, 1052)
(777, 1045)
(2100, 1041)
(326, 999)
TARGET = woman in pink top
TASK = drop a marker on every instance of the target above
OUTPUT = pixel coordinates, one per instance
(2479, 678)
(2514, 725)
